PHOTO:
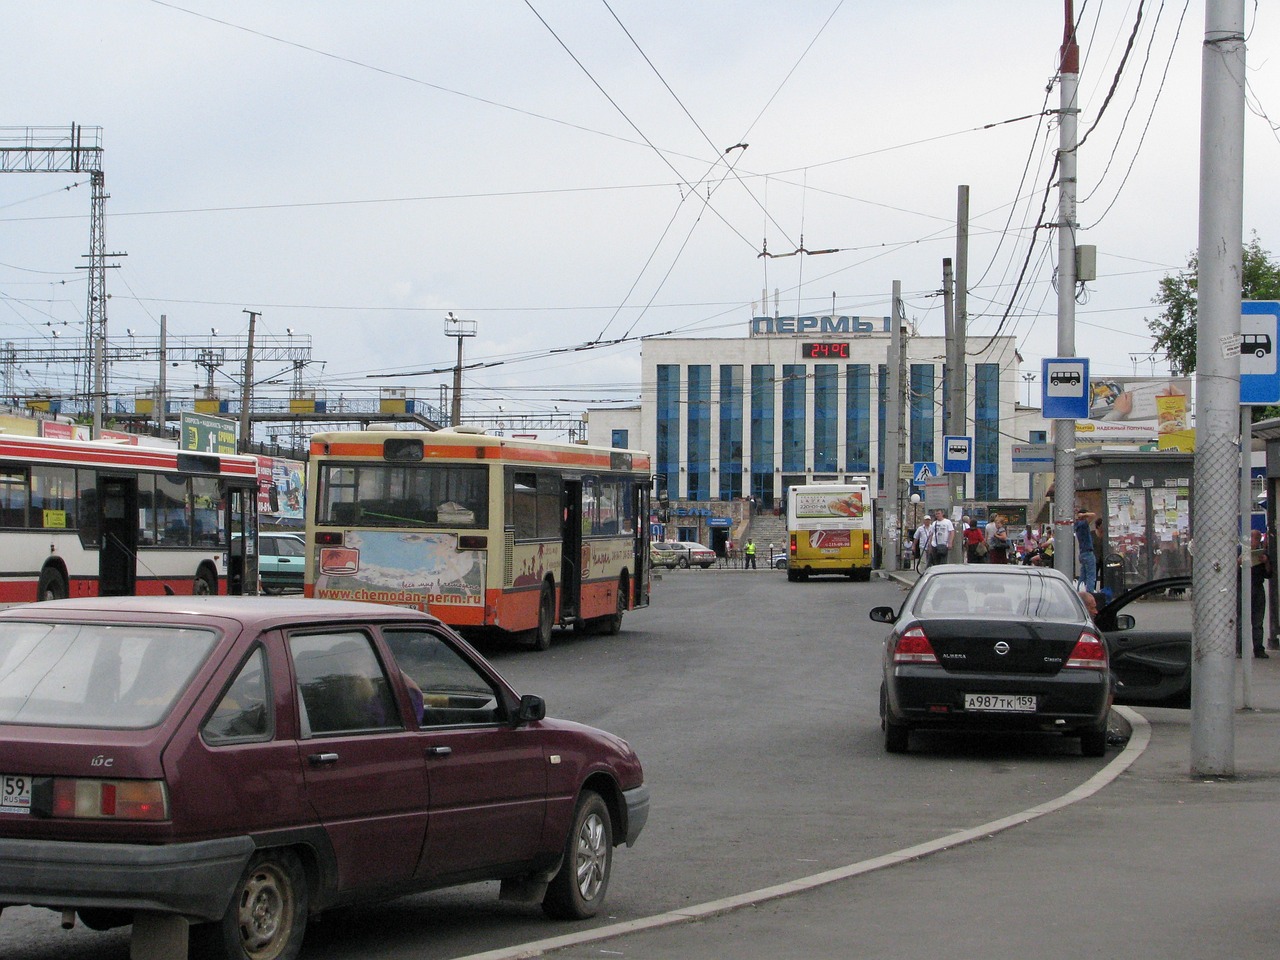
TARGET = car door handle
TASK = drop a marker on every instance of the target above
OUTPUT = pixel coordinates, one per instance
(322, 759)
(438, 751)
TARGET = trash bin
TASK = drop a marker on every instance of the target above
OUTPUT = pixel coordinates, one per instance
(1113, 574)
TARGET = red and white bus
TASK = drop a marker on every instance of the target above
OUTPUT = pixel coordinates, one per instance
(93, 518)
(485, 532)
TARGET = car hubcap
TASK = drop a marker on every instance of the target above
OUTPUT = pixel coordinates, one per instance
(592, 857)
(265, 906)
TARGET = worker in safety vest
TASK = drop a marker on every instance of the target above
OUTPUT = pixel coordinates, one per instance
(751, 555)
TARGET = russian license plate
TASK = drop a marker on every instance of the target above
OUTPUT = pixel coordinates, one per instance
(15, 793)
(1000, 703)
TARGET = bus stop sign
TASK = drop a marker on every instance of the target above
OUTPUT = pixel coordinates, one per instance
(1259, 373)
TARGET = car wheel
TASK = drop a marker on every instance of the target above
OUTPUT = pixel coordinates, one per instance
(896, 736)
(684, 563)
(577, 890)
(267, 916)
(1093, 743)
(546, 619)
(53, 585)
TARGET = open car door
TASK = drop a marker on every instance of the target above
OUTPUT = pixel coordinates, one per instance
(1148, 634)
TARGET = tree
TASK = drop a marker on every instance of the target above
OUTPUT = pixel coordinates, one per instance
(1175, 329)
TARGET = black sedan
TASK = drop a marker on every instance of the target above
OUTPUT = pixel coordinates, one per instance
(1148, 634)
(1003, 647)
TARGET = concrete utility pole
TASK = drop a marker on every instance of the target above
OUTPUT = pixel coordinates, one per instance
(1214, 519)
(246, 394)
(459, 329)
(1064, 431)
(893, 432)
(955, 481)
(162, 402)
(958, 394)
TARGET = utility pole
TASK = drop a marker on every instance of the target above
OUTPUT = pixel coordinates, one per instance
(162, 403)
(893, 431)
(959, 395)
(1064, 431)
(1220, 438)
(246, 393)
(459, 329)
(954, 480)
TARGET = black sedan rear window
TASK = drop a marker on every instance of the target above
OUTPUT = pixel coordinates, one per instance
(999, 596)
(96, 675)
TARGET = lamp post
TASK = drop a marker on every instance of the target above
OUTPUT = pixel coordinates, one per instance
(458, 329)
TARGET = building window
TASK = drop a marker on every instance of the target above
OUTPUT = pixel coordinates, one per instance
(762, 417)
(857, 417)
(882, 403)
(699, 435)
(794, 398)
(620, 439)
(826, 418)
(986, 431)
(667, 451)
(730, 432)
(922, 411)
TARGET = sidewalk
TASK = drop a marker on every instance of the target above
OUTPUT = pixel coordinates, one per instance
(1147, 862)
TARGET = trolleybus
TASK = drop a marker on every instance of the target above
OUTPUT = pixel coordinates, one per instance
(830, 529)
(485, 532)
(93, 518)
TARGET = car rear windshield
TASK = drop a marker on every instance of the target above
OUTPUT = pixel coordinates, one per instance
(108, 676)
(973, 594)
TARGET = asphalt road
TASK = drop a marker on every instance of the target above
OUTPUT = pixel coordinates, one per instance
(753, 704)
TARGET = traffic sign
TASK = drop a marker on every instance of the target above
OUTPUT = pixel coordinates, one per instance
(1032, 458)
(923, 471)
(1259, 340)
(1064, 388)
(957, 455)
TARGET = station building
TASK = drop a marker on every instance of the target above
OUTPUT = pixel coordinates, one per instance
(803, 400)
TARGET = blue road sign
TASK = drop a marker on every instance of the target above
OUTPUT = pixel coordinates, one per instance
(1259, 372)
(957, 455)
(1064, 383)
(922, 471)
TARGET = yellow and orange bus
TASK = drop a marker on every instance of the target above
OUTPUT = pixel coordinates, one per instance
(830, 530)
(485, 532)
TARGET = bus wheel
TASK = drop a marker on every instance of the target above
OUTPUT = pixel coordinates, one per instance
(202, 586)
(53, 586)
(546, 617)
(613, 624)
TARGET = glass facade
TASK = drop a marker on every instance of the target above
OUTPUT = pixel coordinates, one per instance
(882, 401)
(666, 455)
(857, 417)
(795, 380)
(922, 415)
(826, 418)
(730, 432)
(698, 453)
(986, 431)
(762, 417)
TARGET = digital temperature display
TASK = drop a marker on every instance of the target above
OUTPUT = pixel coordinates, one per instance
(824, 351)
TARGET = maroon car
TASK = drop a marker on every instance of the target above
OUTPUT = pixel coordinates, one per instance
(242, 764)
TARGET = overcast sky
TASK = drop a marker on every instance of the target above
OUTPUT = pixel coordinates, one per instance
(564, 172)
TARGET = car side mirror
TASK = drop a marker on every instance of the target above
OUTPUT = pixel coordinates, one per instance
(883, 614)
(531, 709)
(1124, 621)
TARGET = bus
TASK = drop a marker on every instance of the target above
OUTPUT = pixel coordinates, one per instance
(490, 534)
(85, 518)
(830, 530)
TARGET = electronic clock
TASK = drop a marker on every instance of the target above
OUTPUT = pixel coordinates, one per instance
(824, 351)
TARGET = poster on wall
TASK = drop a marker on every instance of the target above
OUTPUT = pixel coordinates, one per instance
(281, 488)
(1139, 408)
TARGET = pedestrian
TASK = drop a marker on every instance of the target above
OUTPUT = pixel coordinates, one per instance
(975, 542)
(1030, 543)
(998, 540)
(1088, 578)
(750, 553)
(1099, 545)
(922, 535)
(1259, 573)
(941, 535)
(1090, 603)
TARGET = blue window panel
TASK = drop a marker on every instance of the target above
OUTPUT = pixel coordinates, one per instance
(882, 403)
(762, 425)
(666, 454)
(795, 382)
(986, 431)
(698, 425)
(857, 426)
(826, 418)
(731, 397)
(923, 411)
(620, 439)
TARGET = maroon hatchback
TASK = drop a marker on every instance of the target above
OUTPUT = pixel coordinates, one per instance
(242, 764)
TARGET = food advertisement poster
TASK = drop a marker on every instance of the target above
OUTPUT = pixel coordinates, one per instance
(815, 506)
(1138, 408)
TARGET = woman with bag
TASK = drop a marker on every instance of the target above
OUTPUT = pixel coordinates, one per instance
(997, 540)
(975, 544)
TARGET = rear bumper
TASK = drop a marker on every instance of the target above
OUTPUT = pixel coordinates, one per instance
(637, 802)
(1069, 700)
(194, 880)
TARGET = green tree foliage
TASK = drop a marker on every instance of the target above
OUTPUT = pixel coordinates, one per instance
(1175, 329)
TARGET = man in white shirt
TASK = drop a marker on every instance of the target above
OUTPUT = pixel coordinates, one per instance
(940, 537)
(924, 535)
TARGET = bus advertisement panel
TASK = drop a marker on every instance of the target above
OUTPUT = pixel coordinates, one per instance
(487, 533)
(829, 530)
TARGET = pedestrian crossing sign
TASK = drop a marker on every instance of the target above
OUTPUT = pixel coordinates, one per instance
(923, 472)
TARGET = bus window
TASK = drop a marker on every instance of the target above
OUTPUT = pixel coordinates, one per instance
(172, 526)
(87, 505)
(549, 518)
(13, 498)
(146, 511)
(53, 501)
(207, 527)
(523, 505)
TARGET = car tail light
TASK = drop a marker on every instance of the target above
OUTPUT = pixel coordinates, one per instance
(793, 544)
(329, 538)
(1090, 653)
(914, 647)
(110, 799)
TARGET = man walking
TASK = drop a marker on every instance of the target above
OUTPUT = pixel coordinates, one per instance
(941, 534)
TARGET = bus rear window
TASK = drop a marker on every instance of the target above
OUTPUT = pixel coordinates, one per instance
(417, 495)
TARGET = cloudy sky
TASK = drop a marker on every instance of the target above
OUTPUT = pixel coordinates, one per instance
(571, 172)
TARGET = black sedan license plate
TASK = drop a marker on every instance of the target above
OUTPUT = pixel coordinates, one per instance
(1000, 703)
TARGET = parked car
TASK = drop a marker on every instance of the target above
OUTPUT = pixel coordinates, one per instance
(1001, 646)
(779, 561)
(663, 555)
(692, 554)
(282, 560)
(244, 763)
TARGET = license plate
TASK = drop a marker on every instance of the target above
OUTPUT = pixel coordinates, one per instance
(15, 793)
(999, 703)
